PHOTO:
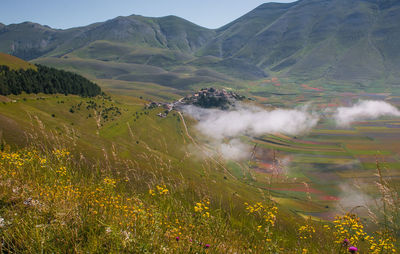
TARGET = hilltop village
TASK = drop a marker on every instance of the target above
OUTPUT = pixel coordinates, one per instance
(211, 98)
(205, 98)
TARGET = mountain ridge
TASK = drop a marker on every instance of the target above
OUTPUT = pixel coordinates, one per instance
(340, 41)
(79, 35)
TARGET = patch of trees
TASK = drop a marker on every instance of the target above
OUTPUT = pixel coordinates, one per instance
(106, 112)
(212, 102)
(45, 80)
(110, 111)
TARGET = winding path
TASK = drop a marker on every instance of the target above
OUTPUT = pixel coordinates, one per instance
(202, 148)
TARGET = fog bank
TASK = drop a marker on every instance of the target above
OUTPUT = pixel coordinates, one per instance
(251, 121)
(364, 110)
(224, 127)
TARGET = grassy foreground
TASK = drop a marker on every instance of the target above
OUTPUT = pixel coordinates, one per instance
(51, 203)
(107, 175)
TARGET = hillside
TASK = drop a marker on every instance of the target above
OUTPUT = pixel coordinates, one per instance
(108, 174)
(132, 146)
(352, 41)
(15, 63)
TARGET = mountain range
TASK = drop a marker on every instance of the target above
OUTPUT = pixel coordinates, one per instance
(327, 40)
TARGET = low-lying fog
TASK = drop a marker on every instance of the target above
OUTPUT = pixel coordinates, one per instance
(225, 127)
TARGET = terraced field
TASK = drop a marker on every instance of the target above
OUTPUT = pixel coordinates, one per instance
(320, 163)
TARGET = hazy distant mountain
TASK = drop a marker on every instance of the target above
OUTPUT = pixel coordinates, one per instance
(133, 48)
(30, 40)
(340, 40)
(235, 35)
(353, 40)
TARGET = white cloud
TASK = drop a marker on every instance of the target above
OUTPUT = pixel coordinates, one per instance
(364, 110)
(234, 150)
(225, 127)
(253, 121)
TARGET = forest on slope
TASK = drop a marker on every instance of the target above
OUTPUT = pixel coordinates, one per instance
(17, 76)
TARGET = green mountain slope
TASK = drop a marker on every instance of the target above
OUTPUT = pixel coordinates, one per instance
(327, 40)
(233, 36)
(29, 40)
(134, 48)
(312, 39)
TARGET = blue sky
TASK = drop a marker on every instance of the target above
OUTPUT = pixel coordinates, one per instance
(72, 13)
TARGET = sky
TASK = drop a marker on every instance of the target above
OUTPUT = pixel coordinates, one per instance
(72, 13)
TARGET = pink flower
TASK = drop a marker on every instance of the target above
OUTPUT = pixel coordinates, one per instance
(207, 246)
(177, 238)
(353, 249)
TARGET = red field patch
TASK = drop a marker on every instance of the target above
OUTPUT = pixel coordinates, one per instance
(311, 88)
(330, 198)
(300, 189)
(265, 165)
